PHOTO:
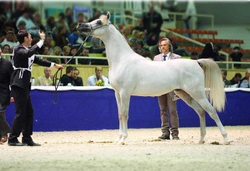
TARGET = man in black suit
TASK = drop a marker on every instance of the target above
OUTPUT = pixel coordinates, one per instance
(22, 61)
(5, 74)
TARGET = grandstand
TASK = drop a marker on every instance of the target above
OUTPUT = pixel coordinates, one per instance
(217, 25)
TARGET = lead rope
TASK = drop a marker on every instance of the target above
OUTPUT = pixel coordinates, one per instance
(55, 78)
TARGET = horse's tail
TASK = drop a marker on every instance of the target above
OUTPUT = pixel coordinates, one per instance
(214, 82)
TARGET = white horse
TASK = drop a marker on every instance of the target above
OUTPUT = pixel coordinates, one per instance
(132, 74)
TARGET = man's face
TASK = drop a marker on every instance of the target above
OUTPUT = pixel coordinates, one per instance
(28, 39)
(98, 71)
(164, 46)
(76, 74)
(47, 72)
(85, 52)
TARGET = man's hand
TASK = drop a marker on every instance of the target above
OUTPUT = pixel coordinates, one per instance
(42, 34)
(58, 66)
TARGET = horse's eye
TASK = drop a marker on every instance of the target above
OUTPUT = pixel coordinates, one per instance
(99, 22)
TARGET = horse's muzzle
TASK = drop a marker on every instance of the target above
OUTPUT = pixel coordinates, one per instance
(83, 27)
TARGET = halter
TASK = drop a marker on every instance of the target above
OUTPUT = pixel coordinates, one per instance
(96, 27)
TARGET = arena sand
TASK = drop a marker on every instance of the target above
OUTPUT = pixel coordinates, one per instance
(95, 151)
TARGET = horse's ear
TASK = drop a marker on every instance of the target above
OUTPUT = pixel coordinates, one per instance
(108, 15)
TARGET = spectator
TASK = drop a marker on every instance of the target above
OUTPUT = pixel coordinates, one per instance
(65, 52)
(69, 16)
(46, 79)
(61, 38)
(67, 79)
(97, 45)
(194, 55)
(50, 27)
(30, 25)
(80, 18)
(236, 79)
(208, 52)
(152, 21)
(10, 39)
(5, 75)
(38, 21)
(77, 80)
(48, 42)
(245, 82)
(134, 37)
(62, 21)
(126, 32)
(139, 26)
(56, 52)
(236, 56)
(224, 78)
(19, 8)
(6, 49)
(97, 14)
(138, 48)
(167, 102)
(73, 37)
(21, 25)
(92, 80)
(85, 53)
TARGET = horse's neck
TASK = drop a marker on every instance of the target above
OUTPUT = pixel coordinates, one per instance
(116, 46)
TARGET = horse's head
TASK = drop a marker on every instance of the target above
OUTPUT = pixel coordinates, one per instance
(103, 20)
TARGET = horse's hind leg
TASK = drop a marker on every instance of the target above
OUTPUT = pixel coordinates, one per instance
(213, 114)
(201, 113)
(204, 104)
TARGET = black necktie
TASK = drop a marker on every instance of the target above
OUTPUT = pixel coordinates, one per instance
(164, 57)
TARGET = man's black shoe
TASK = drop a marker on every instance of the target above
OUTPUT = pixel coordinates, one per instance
(164, 137)
(15, 142)
(30, 142)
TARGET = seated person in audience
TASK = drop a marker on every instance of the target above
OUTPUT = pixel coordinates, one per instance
(92, 80)
(46, 79)
(10, 39)
(138, 48)
(208, 52)
(67, 79)
(194, 56)
(97, 45)
(236, 79)
(236, 56)
(85, 53)
(245, 82)
(224, 77)
(6, 49)
(65, 52)
(56, 52)
(77, 80)
(73, 37)
(134, 37)
(126, 32)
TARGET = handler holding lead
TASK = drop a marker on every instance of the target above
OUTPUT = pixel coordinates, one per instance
(22, 61)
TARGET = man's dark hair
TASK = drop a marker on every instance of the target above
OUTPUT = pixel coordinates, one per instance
(238, 75)
(21, 34)
(69, 69)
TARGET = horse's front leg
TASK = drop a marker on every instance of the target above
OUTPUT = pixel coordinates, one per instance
(123, 101)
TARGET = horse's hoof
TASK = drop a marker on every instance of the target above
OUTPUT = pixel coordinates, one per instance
(201, 142)
(226, 143)
(121, 143)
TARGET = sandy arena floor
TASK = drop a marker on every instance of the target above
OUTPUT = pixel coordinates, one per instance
(94, 150)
